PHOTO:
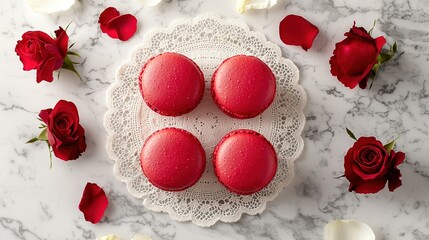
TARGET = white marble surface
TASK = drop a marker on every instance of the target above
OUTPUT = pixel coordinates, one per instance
(39, 203)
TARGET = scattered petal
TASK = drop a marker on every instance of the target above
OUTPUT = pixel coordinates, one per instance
(244, 5)
(109, 237)
(118, 26)
(348, 230)
(296, 30)
(50, 6)
(93, 203)
(150, 2)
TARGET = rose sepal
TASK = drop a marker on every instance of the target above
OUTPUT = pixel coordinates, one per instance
(68, 64)
(382, 58)
(351, 134)
(43, 137)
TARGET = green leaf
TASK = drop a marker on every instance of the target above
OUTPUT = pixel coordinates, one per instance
(71, 45)
(384, 57)
(372, 82)
(68, 25)
(43, 136)
(350, 133)
(68, 64)
(32, 140)
(394, 48)
(374, 72)
(339, 177)
(73, 53)
(390, 146)
(375, 68)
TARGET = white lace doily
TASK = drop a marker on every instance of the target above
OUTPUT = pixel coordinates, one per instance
(208, 40)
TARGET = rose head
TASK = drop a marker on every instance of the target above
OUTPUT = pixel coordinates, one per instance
(65, 134)
(368, 166)
(37, 50)
(355, 56)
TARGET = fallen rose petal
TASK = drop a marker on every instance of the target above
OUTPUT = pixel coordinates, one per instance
(348, 230)
(107, 15)
(50, 6)
(117, 26)
(244, 5)
(296, 30)
(150, 2)
(124, 27)
(93, 203)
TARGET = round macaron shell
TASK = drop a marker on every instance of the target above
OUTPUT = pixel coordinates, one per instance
(172, 159)
(171, 84)
(245, 162)
(243, 86)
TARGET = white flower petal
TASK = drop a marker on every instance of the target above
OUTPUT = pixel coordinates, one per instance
(109, 237)
(141, 237)
(150, 2)
(50, 6)
(244, 5)
(348, 230)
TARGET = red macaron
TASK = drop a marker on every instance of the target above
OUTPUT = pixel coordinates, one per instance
(171, 84)
(243, 86)
(172, 159)
(244, 161)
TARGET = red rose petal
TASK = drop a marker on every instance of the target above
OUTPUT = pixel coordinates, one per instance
(116, 26)
(394, 179)
(296, 30)
(370, 186)
(107, 15)
(45, 71)
(44, 115)
(395, 175)
(358, 32)
(352, 66)
(398, 157)
(93, 203)
(67, 107)
(62, 41)
(125, 26)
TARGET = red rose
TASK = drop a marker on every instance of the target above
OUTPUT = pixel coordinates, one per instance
(355, 56)
(37, 50)
(65, 134)
(368, 166)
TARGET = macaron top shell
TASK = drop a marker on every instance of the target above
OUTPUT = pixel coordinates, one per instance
(245, 161)
(172, 159)
(171, 84)
(243, 86)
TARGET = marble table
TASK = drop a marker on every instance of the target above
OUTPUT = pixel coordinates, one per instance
(39, 203)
